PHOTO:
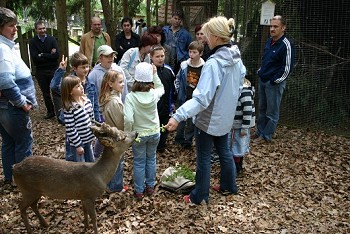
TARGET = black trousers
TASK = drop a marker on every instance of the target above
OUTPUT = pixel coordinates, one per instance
(44, 78)
(163, 120)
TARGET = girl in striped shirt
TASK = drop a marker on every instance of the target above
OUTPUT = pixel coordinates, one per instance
(78, 113)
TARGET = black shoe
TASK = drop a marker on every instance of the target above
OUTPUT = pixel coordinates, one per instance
(49, 115)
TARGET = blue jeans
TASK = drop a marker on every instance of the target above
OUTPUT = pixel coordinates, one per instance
(204, 145)
(71, 153)
(144, 153)
(270, 97)
(238, 145)
(116, 184)
(17, 139)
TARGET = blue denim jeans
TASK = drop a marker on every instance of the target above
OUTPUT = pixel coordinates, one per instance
(270, 97)
(144, 153)
(116, 184)
(71, 153)
(17, 139)
(204, 145)
(238, 145)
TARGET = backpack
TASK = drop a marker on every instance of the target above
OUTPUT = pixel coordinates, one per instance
(179, 184)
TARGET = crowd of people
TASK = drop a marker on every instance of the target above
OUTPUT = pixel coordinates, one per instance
(157, 80)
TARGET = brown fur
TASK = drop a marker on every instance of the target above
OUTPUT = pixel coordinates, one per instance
(38, 176)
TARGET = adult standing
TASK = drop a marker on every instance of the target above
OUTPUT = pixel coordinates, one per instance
(134, 56)
(178, 38)
(90, 41)
(200, 37)
(277, 64)
(213, 105)
(17, 98)
(126, 39)
(157, 31)
(44, 54)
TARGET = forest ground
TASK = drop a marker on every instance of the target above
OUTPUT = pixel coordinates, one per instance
(298, 183)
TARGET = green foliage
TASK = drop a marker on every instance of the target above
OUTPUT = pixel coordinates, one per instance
(181, 171)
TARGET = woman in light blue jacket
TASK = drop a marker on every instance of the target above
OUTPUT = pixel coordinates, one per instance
(213, 105)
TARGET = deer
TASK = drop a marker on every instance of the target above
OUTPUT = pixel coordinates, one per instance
(38, 176)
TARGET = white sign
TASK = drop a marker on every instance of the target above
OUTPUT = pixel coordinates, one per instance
(267, 12)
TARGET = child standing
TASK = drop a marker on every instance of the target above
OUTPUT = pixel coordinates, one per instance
(78, 114)
(80, 68)
(186, 81)
(166, 103)
(239, 137)
(112, 109)
(141, 115)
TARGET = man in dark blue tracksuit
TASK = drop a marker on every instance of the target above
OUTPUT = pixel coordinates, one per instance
(277, 63)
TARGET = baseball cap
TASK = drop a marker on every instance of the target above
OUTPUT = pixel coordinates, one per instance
(105, 50)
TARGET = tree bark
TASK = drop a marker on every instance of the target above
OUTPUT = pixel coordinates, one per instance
(110, 21)
(61, 7)
(3, 3)
(87, 16)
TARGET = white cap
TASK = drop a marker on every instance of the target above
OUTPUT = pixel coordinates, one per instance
(144, 72)
(105, 50)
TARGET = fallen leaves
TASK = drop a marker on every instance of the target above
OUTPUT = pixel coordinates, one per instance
(298, 183)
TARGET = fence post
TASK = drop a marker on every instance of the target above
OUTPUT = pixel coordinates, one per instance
(23, 47)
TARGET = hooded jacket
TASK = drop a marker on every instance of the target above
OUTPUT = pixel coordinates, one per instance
(181, 80)
(16, 83)
(215, 98)
(140, 112)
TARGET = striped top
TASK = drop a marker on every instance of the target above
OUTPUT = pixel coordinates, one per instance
(77, 121)
(245, 111)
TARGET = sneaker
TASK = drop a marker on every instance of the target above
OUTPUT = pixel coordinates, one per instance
(223, 192)
(149, 191)
(187, 199)
(259, 140)
(125, 188)
(139, 196)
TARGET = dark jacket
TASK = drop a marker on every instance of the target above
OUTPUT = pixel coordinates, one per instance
(165, 104)
(122, 44)
(40, 52)
(277, 61)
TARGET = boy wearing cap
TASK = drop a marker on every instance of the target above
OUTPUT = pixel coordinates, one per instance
(141, 115)
(106, 57)
(178, 38)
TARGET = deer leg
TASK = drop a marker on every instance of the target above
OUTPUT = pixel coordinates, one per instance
(86, 220)
(27, 200)
(34, 207)
(90, 208)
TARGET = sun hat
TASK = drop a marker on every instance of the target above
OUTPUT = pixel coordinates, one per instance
(144, 72)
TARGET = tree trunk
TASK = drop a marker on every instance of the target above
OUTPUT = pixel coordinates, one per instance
(110, 21)
(3, 3)
(148, 12)
(87, 16)
(125, 7)
(61, 7)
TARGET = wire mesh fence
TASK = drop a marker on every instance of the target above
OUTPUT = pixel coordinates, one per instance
(317, 94)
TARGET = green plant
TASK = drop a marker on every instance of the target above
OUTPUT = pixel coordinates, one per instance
(181, 171)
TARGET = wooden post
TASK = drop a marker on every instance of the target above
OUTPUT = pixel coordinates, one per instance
(23, 46)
